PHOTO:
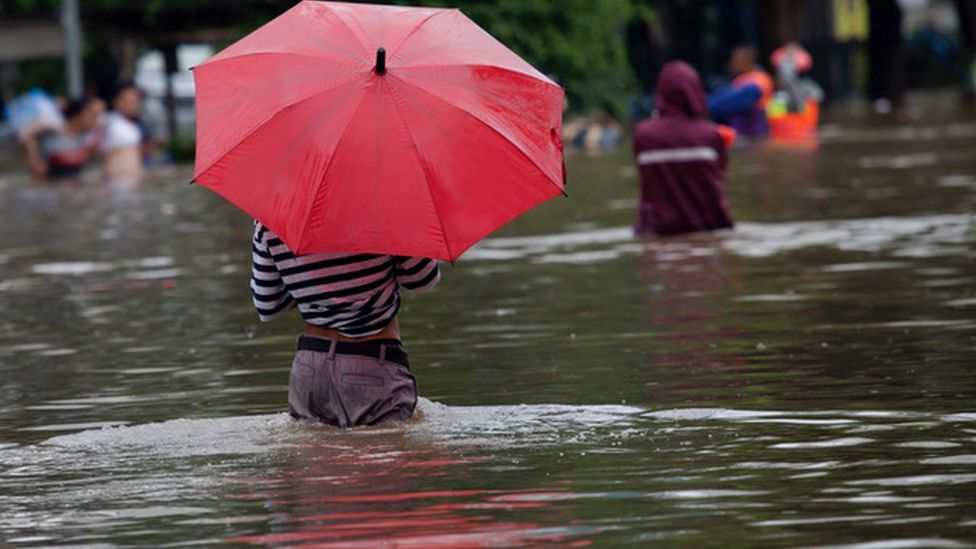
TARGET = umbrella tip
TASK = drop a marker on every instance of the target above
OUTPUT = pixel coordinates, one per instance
(381, 61)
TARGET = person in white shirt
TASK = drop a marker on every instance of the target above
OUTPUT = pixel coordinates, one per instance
(121, 140)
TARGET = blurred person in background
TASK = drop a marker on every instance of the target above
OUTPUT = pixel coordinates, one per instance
(681, 157)
(795, 90)
(599, 132)
(34, 112)
(63, 152)
(742, 104)
(121, 144)
(794, 110)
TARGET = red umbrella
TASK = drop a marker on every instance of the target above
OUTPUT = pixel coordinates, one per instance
(381, 129)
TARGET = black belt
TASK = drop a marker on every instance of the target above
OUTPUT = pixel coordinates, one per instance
(372, 348)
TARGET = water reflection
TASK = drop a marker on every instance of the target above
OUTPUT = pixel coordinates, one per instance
(688, 281)
(350, 490)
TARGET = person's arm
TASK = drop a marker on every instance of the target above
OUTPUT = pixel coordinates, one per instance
(733, 99)
(722, 146)
(270, 296)
(38, 166)
(91, 142)
(417, 274)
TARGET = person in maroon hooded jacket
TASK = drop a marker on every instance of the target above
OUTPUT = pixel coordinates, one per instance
(681, 157)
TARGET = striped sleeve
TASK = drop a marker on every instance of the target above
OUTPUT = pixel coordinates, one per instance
(418, 274)
(271, 297)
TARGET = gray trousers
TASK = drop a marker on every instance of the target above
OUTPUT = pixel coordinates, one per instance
(350, 384)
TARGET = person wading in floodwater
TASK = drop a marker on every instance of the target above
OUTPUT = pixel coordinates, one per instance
(681, 158)
(367, 174)
(121, 141)
(351, 368)
(58, 154)
(742, 104)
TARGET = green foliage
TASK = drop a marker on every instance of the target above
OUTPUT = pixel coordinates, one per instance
(182, 150)
(47, 74)
(8, 7)
(578, 42)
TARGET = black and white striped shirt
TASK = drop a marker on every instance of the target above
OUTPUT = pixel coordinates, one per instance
(358, 295)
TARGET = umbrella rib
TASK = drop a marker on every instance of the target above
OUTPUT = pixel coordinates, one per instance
(350, 22)
(489, 126)
(430, 187)
(264, 122)
(417, 28)
(325, 172)
(218, 112)
(517, 72)
(533, 73)
(275, 52)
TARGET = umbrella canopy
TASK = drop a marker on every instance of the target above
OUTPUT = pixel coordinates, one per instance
(380, 129)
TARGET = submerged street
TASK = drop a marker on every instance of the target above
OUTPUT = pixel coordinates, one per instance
(773, 385)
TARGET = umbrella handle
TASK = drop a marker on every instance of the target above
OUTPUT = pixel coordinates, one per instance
(381, 61)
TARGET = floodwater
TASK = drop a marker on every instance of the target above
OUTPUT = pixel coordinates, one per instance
(806, 380)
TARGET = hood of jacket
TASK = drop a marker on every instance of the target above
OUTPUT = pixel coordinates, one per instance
(680, 92)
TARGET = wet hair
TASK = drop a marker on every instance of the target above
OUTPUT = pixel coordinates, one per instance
(122, 87)
(74, 107)
(748, 51)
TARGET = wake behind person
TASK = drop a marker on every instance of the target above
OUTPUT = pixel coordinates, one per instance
(351, 367)
(681, 158)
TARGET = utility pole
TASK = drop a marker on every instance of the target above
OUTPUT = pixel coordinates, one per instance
(71, 25)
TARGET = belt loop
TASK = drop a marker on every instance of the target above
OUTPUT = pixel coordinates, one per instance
(382, 353)
(332, 348)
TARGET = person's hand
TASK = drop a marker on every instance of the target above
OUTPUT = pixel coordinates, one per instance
(38, 169)
(37, 165)
(728, 135)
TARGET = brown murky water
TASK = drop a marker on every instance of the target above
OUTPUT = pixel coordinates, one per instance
(808, 379)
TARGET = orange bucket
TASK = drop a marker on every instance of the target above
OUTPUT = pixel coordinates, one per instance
(795, 127)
